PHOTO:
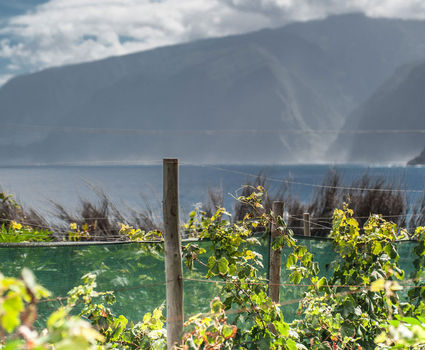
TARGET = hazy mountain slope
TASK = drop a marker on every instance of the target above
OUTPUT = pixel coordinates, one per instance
(398, 105)
(259, 95)
(418, 160)
(300, 77)
(367, 51)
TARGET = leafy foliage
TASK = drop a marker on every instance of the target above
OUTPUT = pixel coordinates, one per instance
(17, 233)
(361, 303)
(18, 312)
(258, 321)
(344, 311)
(209, 331)
(357, 307)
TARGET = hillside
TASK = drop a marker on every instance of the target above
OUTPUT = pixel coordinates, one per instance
(418, 160)
(398, 106)
(158, 103)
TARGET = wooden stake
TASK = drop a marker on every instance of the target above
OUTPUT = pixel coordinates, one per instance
(173, 258)
(306, 218)
(275, 256)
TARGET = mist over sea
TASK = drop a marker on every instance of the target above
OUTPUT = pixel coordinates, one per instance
(136, 186)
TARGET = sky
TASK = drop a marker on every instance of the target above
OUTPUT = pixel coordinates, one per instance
(37, 34)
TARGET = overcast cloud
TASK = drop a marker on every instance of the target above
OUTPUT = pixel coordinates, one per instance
(69, 31)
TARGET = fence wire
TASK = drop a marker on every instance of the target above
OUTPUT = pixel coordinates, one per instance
(135, 272)
(312, 185)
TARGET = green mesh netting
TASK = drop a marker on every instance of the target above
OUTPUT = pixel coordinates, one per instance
(135, 272)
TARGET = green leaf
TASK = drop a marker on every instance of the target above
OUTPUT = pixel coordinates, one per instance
(119, 325)
(296, 277)
(291, 344)
(223, 266)
(315, 268)
(377, 285)
(228, 331)
(212, 266)
(411, 320)
(376, 248)
(211, 261)
(56, 317)
(321, 283)
(390, 250)
(348, 329)
(216, 305)
(282, 328)
(292, 260)
(14, 344)
(12, 306)
(232, 269)
(300, 251)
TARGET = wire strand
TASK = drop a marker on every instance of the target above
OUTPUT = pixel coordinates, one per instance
(209, 132)
(310, 184)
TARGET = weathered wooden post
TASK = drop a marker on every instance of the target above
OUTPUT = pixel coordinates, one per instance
(173, 258)
(306, 219)
(275, 255)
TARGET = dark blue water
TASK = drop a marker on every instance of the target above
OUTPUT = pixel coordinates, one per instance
(133, 186)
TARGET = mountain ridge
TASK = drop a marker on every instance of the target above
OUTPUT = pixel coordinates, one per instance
(397, 106)
(285, 78)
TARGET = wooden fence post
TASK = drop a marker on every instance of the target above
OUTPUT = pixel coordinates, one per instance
(275, 256)
(173, 258)
(306, 219)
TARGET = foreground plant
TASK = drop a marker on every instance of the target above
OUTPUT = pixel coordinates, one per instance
(348, 310)
(18, 312)
(361, 304)
(356, 307)
(138, 235)
(210, 331)
(407, 331)
(18, 233)
(258, 321)
(118, 332)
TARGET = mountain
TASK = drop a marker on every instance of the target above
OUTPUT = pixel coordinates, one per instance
(418, 160)
(396, 114)
(202, 100)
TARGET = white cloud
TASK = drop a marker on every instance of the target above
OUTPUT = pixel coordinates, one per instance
(69, 31)
(64, 31)
(278, 10)
(4, 78)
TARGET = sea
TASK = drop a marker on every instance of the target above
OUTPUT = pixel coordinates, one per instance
(140, 186)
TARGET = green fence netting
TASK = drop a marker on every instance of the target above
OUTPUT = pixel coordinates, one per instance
(135, 272)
